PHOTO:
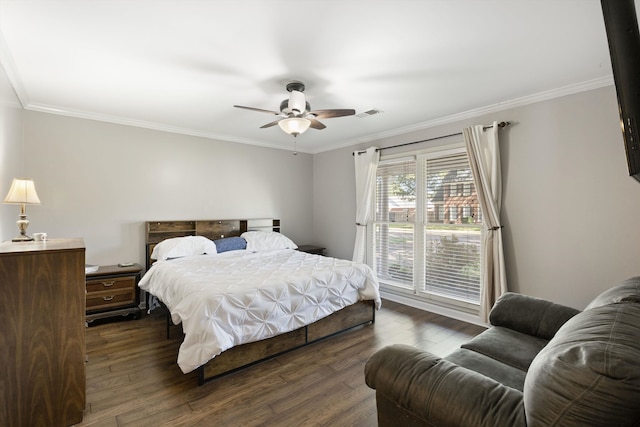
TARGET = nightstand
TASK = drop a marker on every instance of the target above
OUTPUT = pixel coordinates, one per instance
(311, 249)
(113, 291)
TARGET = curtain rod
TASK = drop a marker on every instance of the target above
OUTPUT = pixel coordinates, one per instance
(500, 125)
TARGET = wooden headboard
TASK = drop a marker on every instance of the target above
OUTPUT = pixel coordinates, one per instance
(157, 231)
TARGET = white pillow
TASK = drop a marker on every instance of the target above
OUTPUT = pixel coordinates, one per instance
(267, 240)
(183, 246)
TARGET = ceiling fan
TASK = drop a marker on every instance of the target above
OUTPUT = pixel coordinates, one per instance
(296, 115)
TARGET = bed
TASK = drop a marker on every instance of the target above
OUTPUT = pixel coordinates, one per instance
(239, 305)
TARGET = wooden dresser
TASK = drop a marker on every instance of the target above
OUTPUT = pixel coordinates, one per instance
(42, 344)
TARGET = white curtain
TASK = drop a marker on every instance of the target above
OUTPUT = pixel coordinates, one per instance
(484, 159)
(366, 166)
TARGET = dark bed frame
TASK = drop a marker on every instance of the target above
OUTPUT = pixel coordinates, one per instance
(245, 355)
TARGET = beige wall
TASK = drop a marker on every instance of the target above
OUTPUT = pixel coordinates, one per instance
(569, 209)
(101, 181)
(11, 153)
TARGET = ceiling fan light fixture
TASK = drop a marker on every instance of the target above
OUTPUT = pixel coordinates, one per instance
(294, 125)
(296, 102)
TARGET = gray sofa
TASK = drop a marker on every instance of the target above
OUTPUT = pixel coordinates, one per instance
(539, 364)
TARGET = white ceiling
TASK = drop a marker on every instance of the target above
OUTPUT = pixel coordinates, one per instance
(181, 65)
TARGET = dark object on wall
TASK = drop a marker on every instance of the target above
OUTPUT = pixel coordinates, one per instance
(621, 24)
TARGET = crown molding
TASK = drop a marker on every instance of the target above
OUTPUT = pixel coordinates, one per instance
(493, 108)
(42, 108)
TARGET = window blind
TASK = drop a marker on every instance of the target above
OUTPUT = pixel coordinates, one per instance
(395, 222)
(452, 229)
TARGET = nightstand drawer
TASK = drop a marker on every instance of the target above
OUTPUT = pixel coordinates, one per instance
(110, 298)
(111, 283)
(113, 291)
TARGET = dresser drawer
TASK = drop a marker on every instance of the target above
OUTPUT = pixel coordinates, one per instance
(111, 283)
(112, 291)
(110, 298)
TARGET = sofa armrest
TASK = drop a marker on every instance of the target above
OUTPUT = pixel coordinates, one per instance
(529, 315)
(440, 392)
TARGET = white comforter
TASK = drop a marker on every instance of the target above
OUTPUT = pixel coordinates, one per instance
(237, 297)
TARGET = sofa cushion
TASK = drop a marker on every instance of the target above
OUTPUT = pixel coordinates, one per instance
(530, 315)
(507, 346)
(628, 290)
(507, 375)
(437, 392)
(588, 374)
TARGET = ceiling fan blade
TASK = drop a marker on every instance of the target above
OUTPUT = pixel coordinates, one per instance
(258, 109)
(316, 124)
(268, 125)
(328, 114)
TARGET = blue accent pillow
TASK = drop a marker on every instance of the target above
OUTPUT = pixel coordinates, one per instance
(230, 244)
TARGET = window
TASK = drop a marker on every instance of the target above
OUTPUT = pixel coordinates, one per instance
(466, 213)
(453, 214)
(427, 230)
(395, 221)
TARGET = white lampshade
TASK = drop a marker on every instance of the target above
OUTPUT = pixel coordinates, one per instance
(294, 125)
(22, 191)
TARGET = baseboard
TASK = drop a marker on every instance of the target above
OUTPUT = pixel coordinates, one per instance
(433, 308)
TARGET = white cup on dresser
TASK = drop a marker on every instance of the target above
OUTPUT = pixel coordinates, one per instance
(40, 237)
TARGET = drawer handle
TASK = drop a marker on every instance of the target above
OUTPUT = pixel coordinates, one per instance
(107, 284)
(109, 298)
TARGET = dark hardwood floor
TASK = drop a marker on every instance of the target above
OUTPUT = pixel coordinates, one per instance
(133, 378)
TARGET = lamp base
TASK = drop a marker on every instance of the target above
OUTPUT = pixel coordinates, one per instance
(22, 224)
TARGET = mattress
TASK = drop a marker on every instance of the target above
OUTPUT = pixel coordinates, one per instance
(237, 297)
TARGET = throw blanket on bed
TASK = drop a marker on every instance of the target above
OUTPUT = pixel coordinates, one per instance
(238, 297)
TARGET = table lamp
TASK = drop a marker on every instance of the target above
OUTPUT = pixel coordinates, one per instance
(22, 192)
